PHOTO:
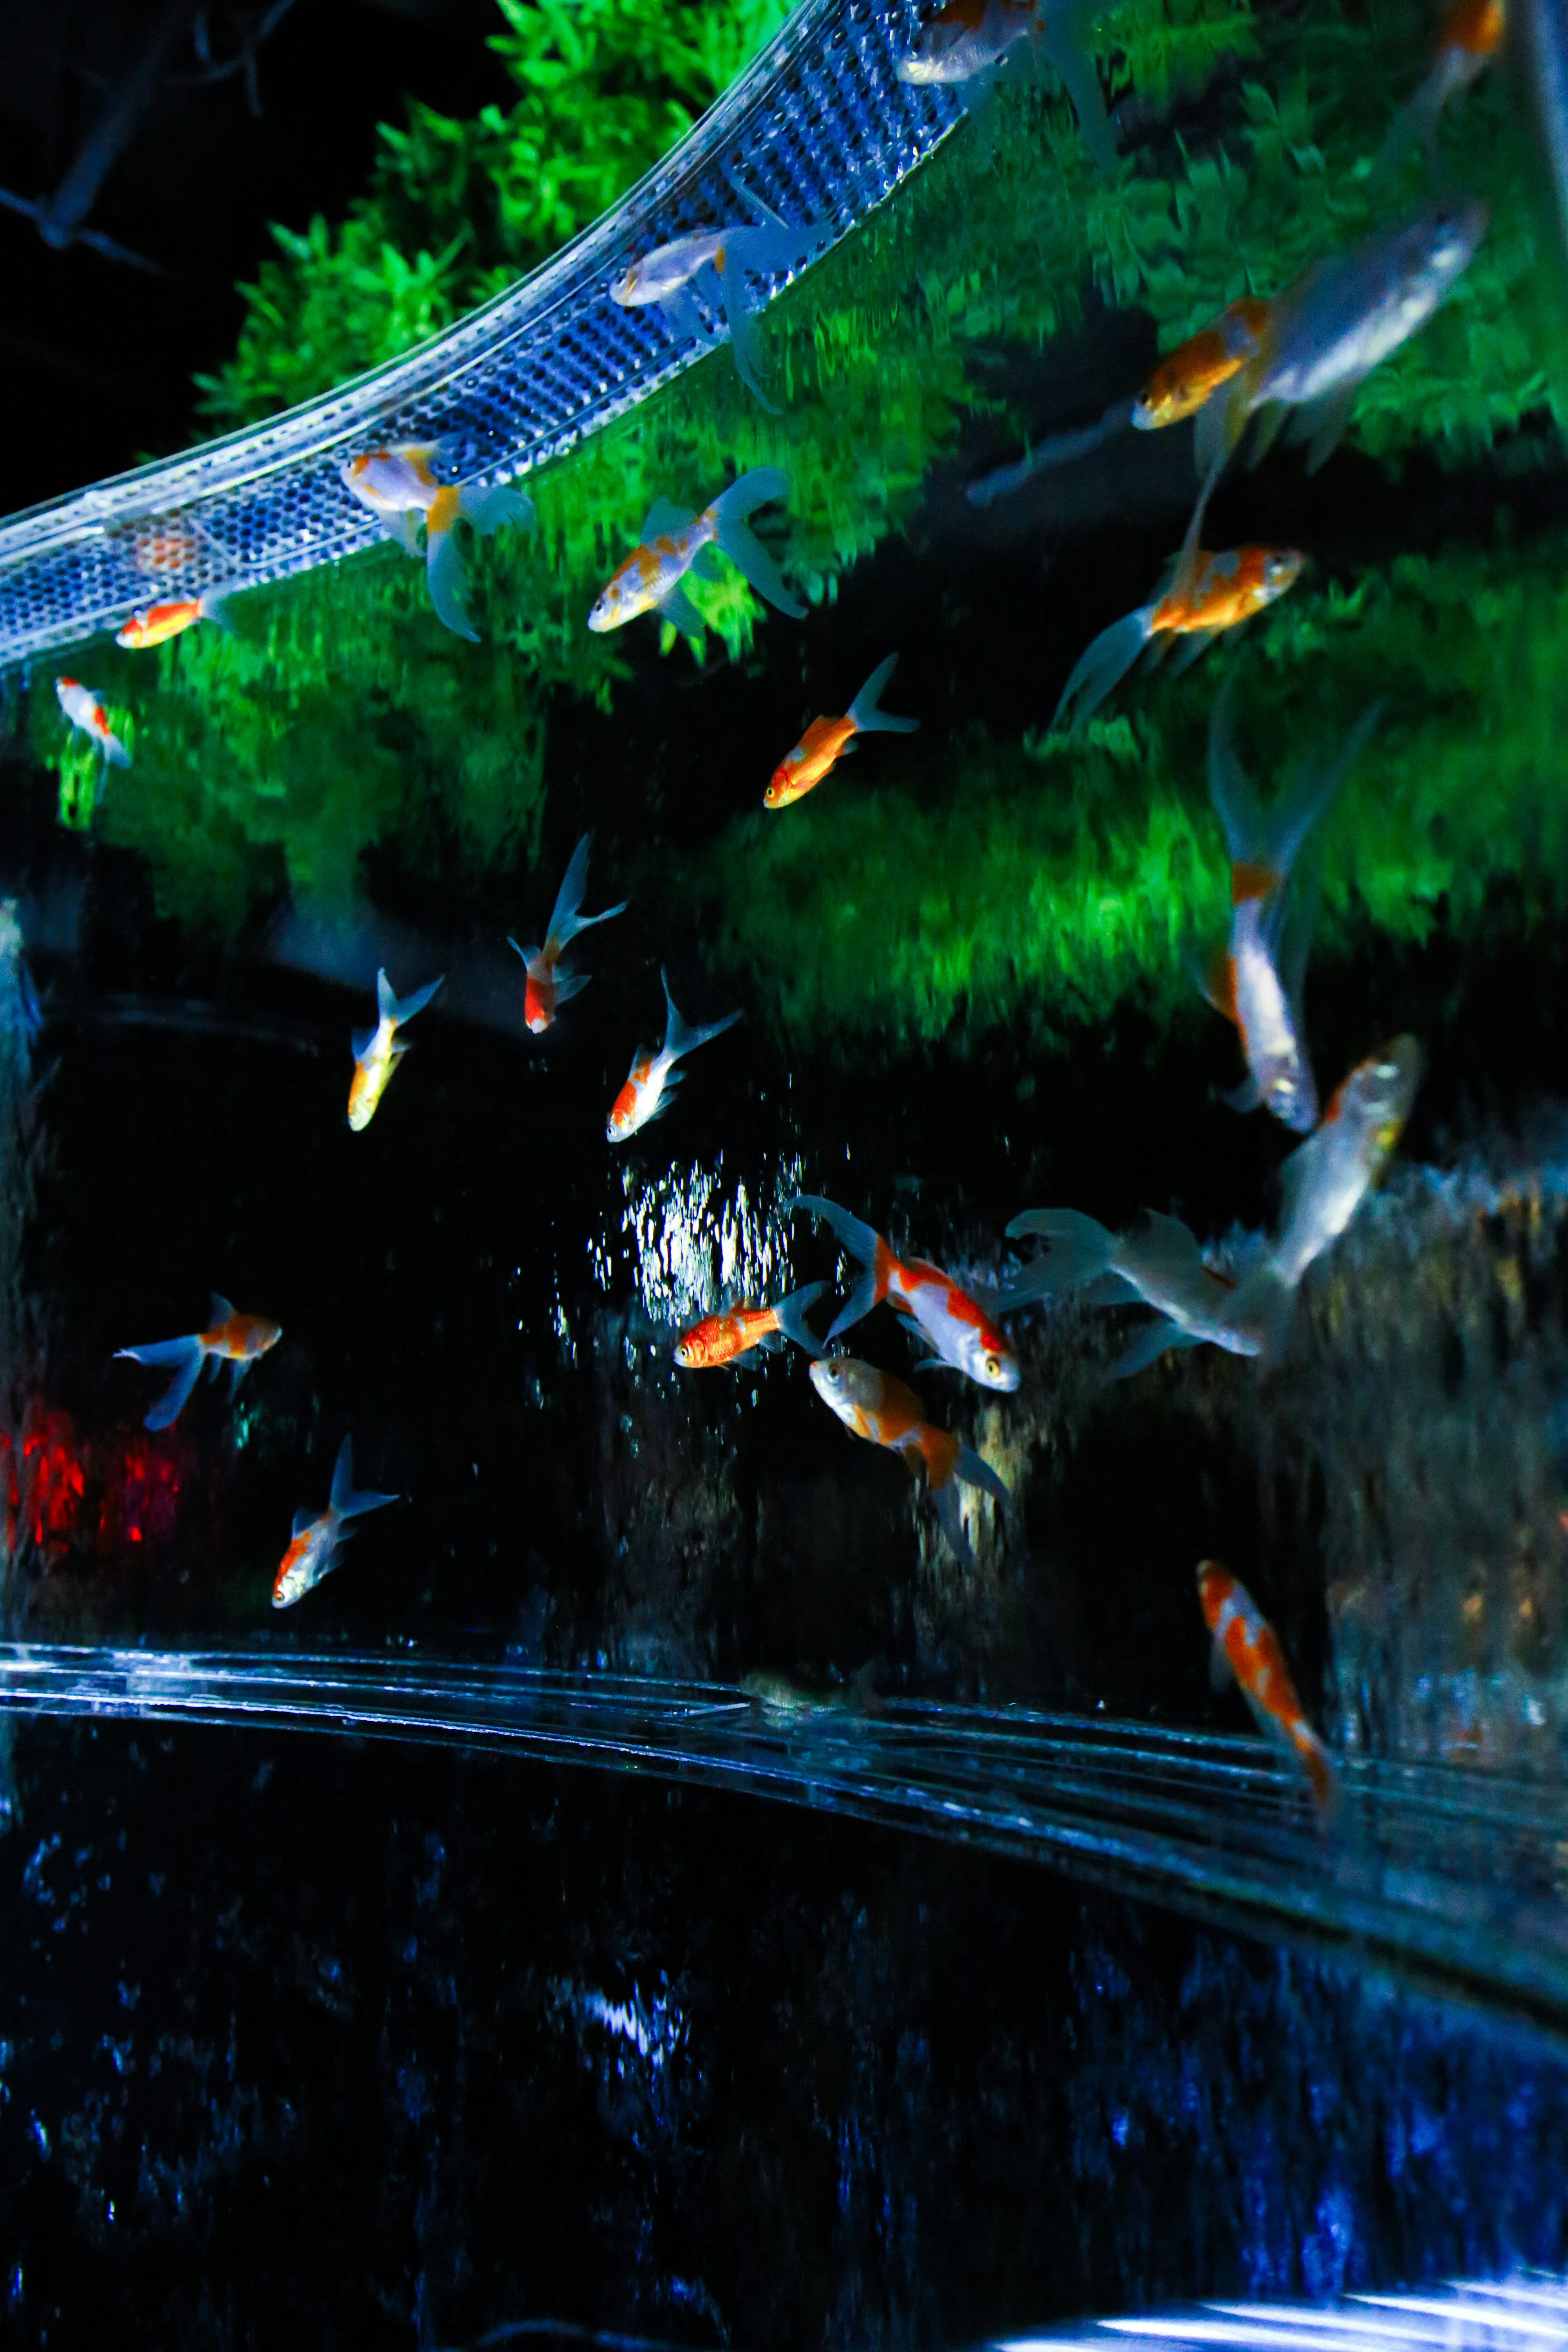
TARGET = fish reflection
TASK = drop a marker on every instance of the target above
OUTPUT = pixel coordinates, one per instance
(721, 1339)
(827, 740)
(668, 277)
(231, 1337)
(646, 1092)
(313, 1552)
(547, 987)
(963, 1335)
(1209, 594)
(965, 43)
(87, 713)
(873, 1406)
(377, 1052)
(1247, 1647)
(399, 488)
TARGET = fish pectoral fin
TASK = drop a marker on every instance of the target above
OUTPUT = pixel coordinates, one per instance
(931, 1364)
(361, 1043)
(677, 608)
(302, 1519)
(1320, 424)
(1271, 415)
(214, 1365)
(1244, 1097)
(704, 564)
(222, 1308)
(1220, 1675)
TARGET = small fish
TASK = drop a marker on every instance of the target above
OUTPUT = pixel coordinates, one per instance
(1469, 37)
(83, 709)
(1158, 1263)
(547, 987)
(313, 1552)
(964, 1337)
(646, 1093)
(1209, 594)
(669, 277)
(1326, 1178)
(965, 44)
(1247, 1647)
(827, 740)
(399, 488)
(150, 624)
(1256, 980)
(1190, 375)
(377, 1052)
(721, 1338)
(231, 1337)
(675, 542)
(873, 1406)
(169, 543)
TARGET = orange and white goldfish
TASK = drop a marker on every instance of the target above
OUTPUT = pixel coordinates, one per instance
(1247, 1647)
(721, 1338)
(670, 275)
(151, 625)
(1209, 594)
(313, 1550)
(399, 488)
(646, 1092)
(675, 542)
(83, 709)
(377, 1052)
(1158, 1263)
(964, 43)
(1256, 980)
(827, 740)
(547, 987)
(231, 1337)
(1468, 38)
(964, 1337)
(873, 1406)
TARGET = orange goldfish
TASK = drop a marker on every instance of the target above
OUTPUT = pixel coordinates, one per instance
(150, 624)
(1187, 377)
(827, 740)
(1209, 594)
(720, 1339)
(313, 1551)
(84, 711)
(399, 488)
(964, 1337)
(377, 1052)
(675, 542)
(547, 987)
(1247, 1646)
(232, 1338)
(873, 1406)
(646, 1092)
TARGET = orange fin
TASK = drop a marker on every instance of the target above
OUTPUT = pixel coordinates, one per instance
(1251, 881)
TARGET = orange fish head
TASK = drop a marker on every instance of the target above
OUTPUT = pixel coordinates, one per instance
(1282, 567)
(1216, 1584)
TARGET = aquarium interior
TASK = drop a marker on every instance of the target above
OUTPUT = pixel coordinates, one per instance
(684, 1874)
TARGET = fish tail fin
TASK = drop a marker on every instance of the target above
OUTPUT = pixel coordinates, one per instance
(745, 343)
(115, 753)
(1100, 668)
(1415, 124)
(861, 1241)
(790, 1315)
(974, 1472)
(1308, 800)
(345, 1501)
(740, 543)
(1149, 1346)
(187, 1354)
(1056, 449)
(488, 509)
(215, 607)
(864, 711)
(566, 918)
(1231, 788)
(399, 1009)
(443, 576)
(1320, 1768)
(1080, 1249)
(1064, 45)
(680, 1036)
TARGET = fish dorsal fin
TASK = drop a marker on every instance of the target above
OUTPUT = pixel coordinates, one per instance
(223, 1311)
(1220, 1675)
(361, 1043)
(303, 1520)
(663, 521)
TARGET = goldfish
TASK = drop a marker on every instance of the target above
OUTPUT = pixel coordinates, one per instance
(83, 709)
(646, 1093)
(232, 1338)
(721, 1338)
(168, 543)
(547, 987)
(313, 1551)
(827, 740)
(1208, 594)
(1256, 980)
(1468, 38)
(873, 1406)
(967, 42)
(399, 486)
(1158, 1263)
(150, 624)
(964, 1337)
(1247, 1647)
(670, 275)
(675, 542)
(377, 1052)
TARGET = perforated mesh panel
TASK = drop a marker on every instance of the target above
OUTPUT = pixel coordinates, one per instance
(820, 129)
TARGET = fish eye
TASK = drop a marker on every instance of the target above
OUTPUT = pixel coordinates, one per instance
(992, 1365)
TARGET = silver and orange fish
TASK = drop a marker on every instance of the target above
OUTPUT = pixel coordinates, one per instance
(548, 985)
(1247, 1647)
(313, 1548)
(1469, 38)
(670, 277)
(721, 1339)
(675, 542)
(653, 1077)
(963, 1335)
(1209, 594)
(965, 44)
(827, 740)
(231, 1337)
(873, 1406)
(378, 1051)
(401, 489)
(85, 712)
